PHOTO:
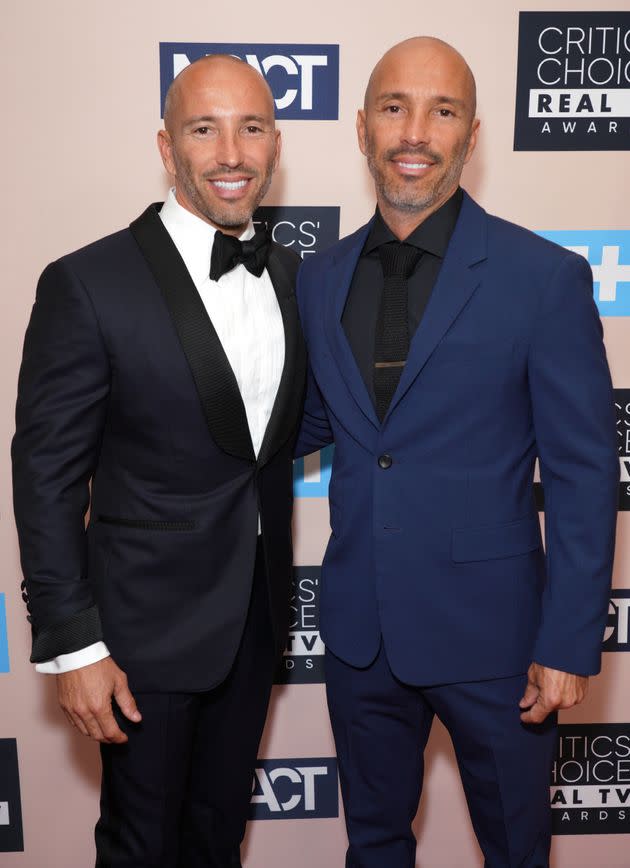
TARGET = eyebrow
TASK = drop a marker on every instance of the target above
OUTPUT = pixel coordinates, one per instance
(211, 119)
(395, 94)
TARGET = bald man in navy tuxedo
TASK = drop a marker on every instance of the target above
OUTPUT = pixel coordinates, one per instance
(448, 351)
(164, 366)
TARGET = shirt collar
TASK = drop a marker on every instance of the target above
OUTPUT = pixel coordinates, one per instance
(432, 235)
(192, 236)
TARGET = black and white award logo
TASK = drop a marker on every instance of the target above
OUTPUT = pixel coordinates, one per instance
(622, 406)
(590, 781)
(616, 636)
(306, 230)
(295, 789)
(573, 82)
(11, 838)
(303, 660)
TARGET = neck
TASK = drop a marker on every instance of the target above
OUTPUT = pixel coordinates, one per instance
(403, 222)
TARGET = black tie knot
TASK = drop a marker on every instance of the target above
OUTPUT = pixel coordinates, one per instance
(228, 252)
(398, 259)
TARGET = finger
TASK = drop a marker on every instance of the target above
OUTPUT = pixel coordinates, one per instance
(110, 729)
(126, 702)
(530, 696)
(76, 721)
(93, 726)
(69, 718)
(536, 714)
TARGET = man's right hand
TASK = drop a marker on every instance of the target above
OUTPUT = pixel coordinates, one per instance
(85, 695)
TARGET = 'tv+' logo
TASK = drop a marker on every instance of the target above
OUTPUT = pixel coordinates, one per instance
(608, 253)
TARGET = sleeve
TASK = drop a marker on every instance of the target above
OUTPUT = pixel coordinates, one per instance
(574, 423)
(75, 660)
(315, 431)
(63, 390)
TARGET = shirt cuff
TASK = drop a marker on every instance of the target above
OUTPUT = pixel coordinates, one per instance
(75, 660)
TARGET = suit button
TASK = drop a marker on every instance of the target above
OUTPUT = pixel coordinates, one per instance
(385, 461)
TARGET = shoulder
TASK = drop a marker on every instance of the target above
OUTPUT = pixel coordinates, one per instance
(102, 254)
(331, 255)
(526, 252)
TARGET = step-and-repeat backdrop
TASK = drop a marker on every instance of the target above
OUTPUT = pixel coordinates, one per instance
(83, 84)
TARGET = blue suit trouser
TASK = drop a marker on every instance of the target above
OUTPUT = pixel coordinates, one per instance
(381, 727)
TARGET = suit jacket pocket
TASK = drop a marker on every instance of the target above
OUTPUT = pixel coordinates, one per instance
(496, 541)
(146, 524)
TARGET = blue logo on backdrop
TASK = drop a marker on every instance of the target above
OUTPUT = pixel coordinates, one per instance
(306, 230)
(11, 837)
(304, 79)
(295, 789)
(608, 253)
(311, 475)
(616, 635)
(4, 644)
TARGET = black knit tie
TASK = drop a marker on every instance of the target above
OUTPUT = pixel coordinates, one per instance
(391, 346)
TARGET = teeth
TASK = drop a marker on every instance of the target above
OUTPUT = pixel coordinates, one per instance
(415, 165)
(230, 185)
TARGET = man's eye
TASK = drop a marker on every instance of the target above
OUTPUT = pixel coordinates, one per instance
(252, 128)
(392, 109)
(202, 131)
(445, 113)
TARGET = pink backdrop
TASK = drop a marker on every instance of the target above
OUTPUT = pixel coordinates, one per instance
(81, 108)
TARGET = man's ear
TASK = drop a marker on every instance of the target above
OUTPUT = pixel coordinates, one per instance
(165, 147)
(361, 131)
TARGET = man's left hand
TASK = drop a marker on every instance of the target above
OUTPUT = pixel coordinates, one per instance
(548, 690)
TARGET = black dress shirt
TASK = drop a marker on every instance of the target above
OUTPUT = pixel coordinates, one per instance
(361, 310)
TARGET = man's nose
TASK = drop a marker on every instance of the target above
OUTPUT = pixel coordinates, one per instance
(228, 151)
(416, 129)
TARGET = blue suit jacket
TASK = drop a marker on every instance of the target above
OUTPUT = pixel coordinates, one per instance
(440, 554)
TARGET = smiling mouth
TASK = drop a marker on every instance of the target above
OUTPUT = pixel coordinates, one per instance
(414, 165)
(230, 185)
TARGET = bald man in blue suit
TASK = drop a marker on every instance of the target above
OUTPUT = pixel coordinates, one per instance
(449, 350)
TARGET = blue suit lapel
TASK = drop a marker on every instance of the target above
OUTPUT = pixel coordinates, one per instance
(455, 285)
(343, 267)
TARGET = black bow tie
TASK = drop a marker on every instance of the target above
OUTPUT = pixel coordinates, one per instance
(228, 252)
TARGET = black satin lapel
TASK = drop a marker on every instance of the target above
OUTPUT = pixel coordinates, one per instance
(287, 406)
(214, 378)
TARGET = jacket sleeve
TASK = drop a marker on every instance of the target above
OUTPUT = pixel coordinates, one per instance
(61, 408)
(315, 431)
(574, 423)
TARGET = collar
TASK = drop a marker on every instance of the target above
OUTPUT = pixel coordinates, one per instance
(432, 235)
(192, 236)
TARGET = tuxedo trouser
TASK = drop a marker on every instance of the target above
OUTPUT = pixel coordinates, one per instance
(177, 794)
(381, 727)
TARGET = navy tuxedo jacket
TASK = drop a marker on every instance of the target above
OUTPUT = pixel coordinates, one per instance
(124, 384)
(436, 548)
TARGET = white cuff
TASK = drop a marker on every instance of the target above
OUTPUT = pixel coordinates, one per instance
(75, 660)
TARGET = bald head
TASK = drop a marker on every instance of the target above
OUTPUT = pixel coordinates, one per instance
(417, 129)
(220, 141)
(423, 56)
(213, 68)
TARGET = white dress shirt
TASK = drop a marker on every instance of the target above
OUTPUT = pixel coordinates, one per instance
(246, 317)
